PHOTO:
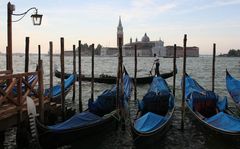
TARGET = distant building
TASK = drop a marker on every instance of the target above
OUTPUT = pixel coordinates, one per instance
(84, 52)
(145, 47)
(109, 51)
(190, 51)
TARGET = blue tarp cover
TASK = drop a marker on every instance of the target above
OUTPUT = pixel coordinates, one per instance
(106, 102)
(127, 87)
(158, 85)
(233, 87)
(57, 88)
(225, 122)
(193, 88)
(149, 122)
(78, 120)
(158, 90)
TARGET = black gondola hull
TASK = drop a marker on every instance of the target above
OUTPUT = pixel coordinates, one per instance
(230, 136)
(50, 139)
(143, 140)
(112, 79)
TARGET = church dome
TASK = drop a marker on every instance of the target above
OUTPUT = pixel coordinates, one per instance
(145, 38)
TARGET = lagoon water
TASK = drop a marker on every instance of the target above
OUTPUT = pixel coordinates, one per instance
(199, 68)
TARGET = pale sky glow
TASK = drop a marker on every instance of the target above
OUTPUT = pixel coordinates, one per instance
(95, 21)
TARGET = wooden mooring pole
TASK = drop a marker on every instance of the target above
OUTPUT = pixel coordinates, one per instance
(184, 81)
(39, 53)
(74, 72)
(62, 77)
(9, 38)
(213, 67)
(79, 76)
(135, 73)
(19, 99)
(123, 127)
(26, 58)
(51, 67)
(40, 90)
(174, 68)
(92, 81)
(26, 54)
(6, 58)
(118, 106)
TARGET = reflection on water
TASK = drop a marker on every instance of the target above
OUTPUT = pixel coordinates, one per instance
(198, 68)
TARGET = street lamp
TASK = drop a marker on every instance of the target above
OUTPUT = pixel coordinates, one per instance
(37, 20)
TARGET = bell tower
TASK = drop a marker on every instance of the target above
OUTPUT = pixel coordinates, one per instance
(119, 32)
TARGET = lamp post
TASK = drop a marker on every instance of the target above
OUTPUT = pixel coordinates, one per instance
(37, 20)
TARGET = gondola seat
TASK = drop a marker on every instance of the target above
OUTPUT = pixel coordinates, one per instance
(205, 103)
(156, 103)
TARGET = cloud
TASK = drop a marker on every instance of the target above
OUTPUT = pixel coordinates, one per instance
(227, 2)
(200, 5)
(144, 9)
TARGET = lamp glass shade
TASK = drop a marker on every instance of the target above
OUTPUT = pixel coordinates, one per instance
(37, 19)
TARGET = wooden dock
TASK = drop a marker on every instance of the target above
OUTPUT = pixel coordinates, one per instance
(9, 113)
(13, 92)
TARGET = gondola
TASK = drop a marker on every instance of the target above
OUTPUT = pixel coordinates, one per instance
(101, 117)
(154, 116)
(111, 79)
(211, 111)
(56, 90)
(233, 87)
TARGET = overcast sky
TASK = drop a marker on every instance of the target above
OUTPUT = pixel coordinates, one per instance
(95, 21)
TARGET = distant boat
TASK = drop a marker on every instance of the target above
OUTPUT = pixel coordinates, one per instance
(57, 90)
(112, 79)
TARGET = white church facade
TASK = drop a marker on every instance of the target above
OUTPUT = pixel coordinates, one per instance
(145, 47)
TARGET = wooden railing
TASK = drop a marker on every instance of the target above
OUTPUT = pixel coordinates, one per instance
(5, 72)
(14, 88)
(17, 91)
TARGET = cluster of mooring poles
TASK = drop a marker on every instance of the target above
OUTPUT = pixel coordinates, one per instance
(63, 74)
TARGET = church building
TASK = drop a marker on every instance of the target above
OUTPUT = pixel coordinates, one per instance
(145, 47)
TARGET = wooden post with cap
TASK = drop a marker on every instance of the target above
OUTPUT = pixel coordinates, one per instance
(135, 73)
(79, 76)
(184, 81)
(26, 58)
(51, 67)
(92, 81)
(213, 67)
(62, 77)
(174, 68)
(74, 72)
